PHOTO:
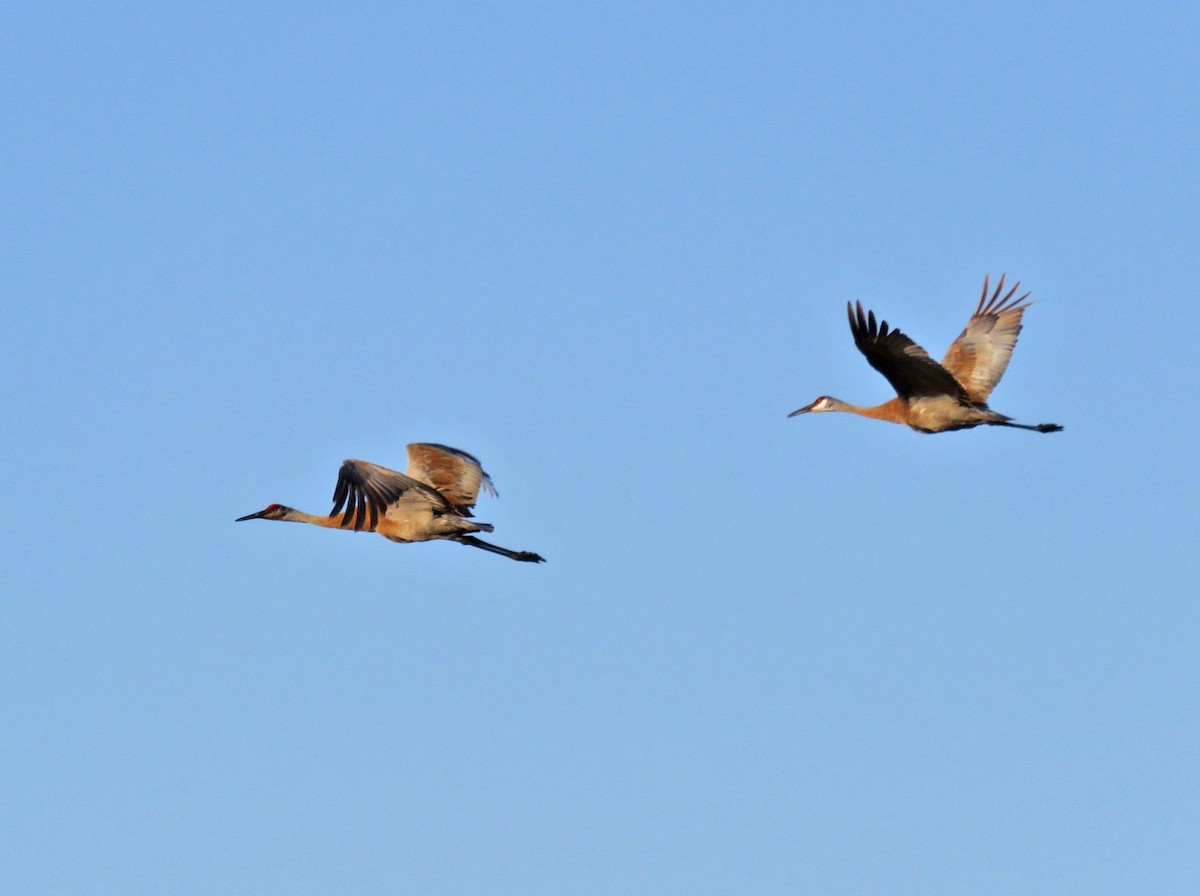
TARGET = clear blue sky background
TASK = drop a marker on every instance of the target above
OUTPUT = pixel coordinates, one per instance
(606, 248)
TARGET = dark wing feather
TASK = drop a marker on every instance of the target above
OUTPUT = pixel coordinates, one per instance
(905, 364)
(364, 490)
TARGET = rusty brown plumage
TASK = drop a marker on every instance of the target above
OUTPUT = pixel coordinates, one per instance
(458, 476)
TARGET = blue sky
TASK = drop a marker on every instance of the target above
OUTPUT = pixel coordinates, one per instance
(607, 249)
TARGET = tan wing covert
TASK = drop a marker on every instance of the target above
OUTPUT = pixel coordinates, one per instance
(980, 355)
(455, 474)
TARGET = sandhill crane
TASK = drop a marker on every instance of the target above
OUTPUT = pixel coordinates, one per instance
(432, 499)
(933, 397)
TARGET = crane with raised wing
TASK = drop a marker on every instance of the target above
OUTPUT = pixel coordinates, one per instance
(933, 397)
(431, 500)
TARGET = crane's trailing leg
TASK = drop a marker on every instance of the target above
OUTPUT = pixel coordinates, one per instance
(1040, 427)
(527, 556)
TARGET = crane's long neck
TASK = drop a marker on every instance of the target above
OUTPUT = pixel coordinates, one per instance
(891, 411)
(299, 516)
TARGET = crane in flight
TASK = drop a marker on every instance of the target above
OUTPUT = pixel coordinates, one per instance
(431, 499)
(933, 397)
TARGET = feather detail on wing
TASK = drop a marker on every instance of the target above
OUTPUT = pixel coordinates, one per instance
(456, 475)
(905, 364)
(365, 490)
(980, 355)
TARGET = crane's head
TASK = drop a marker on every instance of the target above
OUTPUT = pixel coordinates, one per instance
(273, 512)
(824, 403)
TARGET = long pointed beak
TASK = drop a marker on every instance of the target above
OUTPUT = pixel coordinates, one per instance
(251, 516)
(803, 410)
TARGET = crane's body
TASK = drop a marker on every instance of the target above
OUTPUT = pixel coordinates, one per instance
(432, 500)
(933, 397)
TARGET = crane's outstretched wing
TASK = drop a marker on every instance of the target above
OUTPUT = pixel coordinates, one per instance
(457, 475)
(365, 490)
(905, 364)
(979, 356)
